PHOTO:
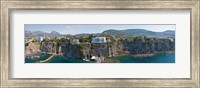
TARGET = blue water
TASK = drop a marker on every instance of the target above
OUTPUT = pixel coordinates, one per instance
(164, 57)
(42, 57)
(62, 59)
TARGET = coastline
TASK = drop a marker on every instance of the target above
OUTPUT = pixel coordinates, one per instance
(143, 55)
(157, 57)
(150, 54)
(115, 59)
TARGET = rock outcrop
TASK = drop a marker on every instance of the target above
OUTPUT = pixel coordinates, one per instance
(32, 47)
(73, 51)
(148, 45)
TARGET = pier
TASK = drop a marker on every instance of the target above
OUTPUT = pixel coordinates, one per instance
(48, 59)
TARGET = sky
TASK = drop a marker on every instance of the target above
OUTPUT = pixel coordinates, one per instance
(94, 28)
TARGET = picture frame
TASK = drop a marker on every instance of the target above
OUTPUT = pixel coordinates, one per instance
(7, 6)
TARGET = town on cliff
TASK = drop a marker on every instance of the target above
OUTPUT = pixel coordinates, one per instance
(97, 48)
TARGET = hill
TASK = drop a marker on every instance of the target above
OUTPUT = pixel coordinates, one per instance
(41, 34)
(110, 32)
(139, 32)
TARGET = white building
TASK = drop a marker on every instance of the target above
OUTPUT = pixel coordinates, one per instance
(171, 39)
(40, 39)
(99, 40)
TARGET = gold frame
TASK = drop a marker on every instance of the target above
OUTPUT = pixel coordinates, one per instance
(8, 5)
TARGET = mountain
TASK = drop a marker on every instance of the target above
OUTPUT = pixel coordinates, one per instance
(111, 32)
(29, 34)
(41, 34)
(139, 32)
(167, 33)
(87, 34)
(55, 34)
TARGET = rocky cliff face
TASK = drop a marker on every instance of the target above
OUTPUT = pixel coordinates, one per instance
(100, 50)
(139, 45)
(148, 45)
(48, 47)
(73, 51)
(116, 49)
(32, 47)
(67, 49)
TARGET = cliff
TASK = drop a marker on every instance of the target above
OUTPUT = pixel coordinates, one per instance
(73, 51)
(67, 49)
(133, 45)
(32, 47)
(142, 45)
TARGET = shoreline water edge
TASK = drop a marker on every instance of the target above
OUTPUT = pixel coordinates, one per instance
(115, 59)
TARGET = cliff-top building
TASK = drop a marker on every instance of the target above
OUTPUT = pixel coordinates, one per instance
(40, 39)
(99, 40)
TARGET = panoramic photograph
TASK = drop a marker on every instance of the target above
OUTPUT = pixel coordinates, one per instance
(99, 43)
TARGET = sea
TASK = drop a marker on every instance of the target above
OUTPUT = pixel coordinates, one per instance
(164, 57)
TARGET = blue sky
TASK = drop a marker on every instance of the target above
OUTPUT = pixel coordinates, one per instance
(93, 28)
